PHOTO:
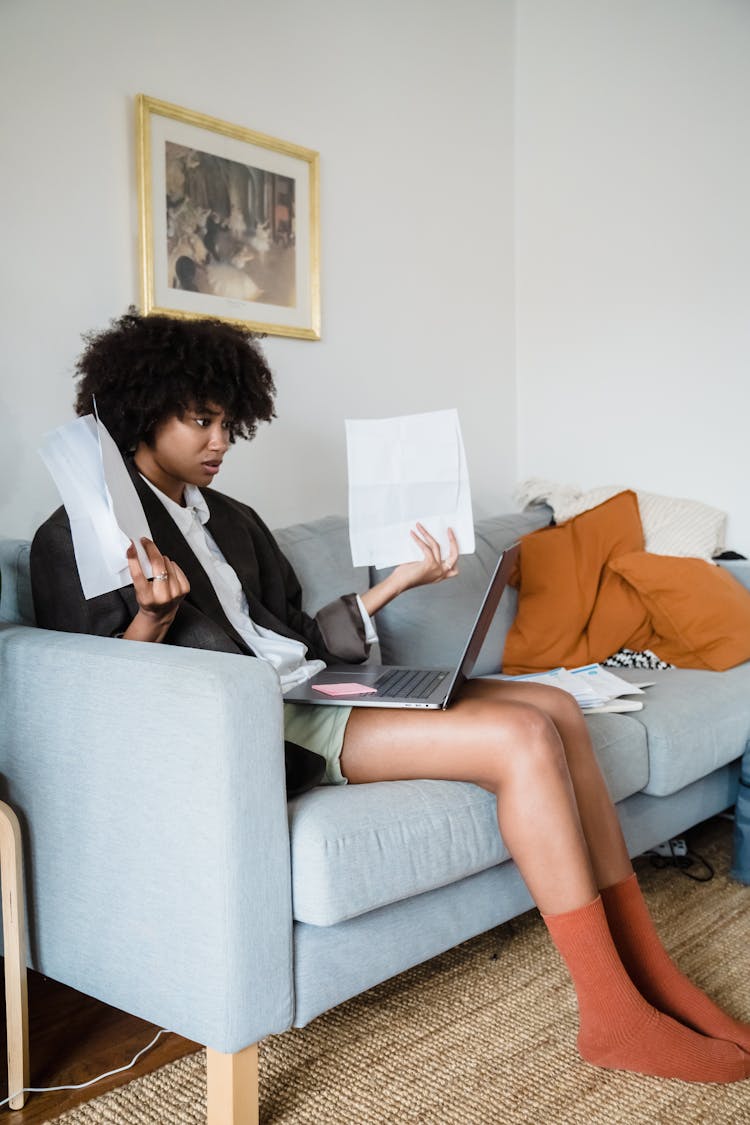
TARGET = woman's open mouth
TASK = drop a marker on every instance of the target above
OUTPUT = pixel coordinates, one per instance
(211, 467)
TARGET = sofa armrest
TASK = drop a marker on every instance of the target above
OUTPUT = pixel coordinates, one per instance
(740, 568)
(149, 781)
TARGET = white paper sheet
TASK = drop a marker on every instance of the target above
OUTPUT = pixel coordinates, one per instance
(403, 470)
(594, 688)
(103, 507)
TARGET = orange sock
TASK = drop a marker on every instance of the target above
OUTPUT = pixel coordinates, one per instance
(654, 973)
(618, 1028)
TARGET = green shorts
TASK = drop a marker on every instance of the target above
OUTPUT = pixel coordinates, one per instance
(320, 729)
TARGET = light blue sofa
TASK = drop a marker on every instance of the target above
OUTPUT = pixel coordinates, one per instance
(166, 873)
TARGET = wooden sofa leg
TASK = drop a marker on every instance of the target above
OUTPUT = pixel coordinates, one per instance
(233, 1087)
(14, 940)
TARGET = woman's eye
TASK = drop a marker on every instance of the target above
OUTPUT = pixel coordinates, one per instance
(203, 422)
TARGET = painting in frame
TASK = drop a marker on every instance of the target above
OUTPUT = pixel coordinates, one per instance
(229, 222)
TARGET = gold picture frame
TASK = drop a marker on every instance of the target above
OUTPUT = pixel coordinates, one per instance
(229, 222)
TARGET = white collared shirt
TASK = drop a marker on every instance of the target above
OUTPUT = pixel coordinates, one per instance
(288, 657)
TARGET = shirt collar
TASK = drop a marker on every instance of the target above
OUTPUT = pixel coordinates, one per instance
(195, 506)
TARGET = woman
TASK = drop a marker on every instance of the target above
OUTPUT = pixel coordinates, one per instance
(175, 394)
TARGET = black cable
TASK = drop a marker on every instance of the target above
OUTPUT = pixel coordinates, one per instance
(693, 857)
(683, 862)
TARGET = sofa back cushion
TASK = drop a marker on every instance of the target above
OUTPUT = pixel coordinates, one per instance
(319, 552)
(428, 627)
(16, 604)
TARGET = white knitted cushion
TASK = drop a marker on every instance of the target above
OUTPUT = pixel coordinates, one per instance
(671, 525)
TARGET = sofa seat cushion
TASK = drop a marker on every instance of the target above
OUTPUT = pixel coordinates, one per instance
(359, 847)
(695, 722)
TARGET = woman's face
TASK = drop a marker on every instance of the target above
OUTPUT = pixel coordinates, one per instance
(185, 450)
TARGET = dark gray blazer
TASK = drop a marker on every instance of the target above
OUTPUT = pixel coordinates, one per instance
(273, 593)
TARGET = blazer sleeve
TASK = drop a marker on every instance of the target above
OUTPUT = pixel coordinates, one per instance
(341, 626)
(56, 588)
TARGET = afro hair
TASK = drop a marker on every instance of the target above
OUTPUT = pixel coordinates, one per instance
(144, 369)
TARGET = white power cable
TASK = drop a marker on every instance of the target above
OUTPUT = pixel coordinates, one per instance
(91, 1081)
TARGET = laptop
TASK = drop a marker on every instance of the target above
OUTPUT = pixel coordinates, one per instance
(388, 685)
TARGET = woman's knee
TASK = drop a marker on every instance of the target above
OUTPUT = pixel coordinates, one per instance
(539, 744)
(560, 705)
(518, 738)
(556, 703)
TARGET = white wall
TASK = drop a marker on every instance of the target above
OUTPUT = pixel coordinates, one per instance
(633, 246)
(410, 106)
(632, 175)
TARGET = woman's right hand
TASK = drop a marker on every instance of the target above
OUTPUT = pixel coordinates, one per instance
(159, 597)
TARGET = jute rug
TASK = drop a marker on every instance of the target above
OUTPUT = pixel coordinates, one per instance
(483, 1035)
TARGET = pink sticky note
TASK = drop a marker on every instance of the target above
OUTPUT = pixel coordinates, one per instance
(344, 689)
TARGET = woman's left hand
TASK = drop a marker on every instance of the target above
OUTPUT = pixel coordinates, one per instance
(432, 567)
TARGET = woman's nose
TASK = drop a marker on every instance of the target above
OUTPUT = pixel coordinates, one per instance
(219, 438)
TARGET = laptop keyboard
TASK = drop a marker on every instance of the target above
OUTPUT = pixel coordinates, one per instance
(405, 683)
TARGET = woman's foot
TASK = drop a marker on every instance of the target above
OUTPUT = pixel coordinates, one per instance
(652, 1043)
(618, 1028)
(654, 973)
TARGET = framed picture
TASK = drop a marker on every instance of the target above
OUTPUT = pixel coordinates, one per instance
(229, 222)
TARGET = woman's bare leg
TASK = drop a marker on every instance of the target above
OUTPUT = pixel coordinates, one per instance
(601, 826)
(594, 810)
(516, 751)
(636, 939)
(509, 748)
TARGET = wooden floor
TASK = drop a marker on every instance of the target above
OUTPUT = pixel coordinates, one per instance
(74, 1038)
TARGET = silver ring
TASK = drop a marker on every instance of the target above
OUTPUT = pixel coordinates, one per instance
(163, 577)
